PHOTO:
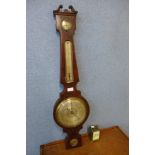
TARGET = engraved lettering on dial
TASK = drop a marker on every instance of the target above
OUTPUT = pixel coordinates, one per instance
(71, 112)
(69, 77)
(66, 25)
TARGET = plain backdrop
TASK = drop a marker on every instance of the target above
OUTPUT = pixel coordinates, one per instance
(101, 42)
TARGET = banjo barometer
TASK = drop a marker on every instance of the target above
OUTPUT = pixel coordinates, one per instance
(71, 110)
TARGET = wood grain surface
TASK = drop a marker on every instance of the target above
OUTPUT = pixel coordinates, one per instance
(112, 142)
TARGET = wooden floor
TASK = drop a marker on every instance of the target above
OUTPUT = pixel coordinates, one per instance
(112, 142)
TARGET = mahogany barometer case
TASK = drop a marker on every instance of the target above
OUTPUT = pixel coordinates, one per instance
(71, 110)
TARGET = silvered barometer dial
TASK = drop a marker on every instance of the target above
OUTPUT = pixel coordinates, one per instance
(71, 112)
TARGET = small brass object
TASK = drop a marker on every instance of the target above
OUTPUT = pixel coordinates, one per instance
(66, 25)
(94, 132)
(69, 62)
(73, 142)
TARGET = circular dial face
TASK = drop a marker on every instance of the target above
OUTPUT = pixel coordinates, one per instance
(71, 112)
(66, 25)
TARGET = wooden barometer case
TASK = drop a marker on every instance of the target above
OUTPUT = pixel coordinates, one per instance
(71, 110)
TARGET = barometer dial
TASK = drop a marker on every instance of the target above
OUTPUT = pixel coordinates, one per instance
(71, 112)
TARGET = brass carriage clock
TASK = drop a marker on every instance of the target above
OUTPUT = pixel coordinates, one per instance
(71, 110)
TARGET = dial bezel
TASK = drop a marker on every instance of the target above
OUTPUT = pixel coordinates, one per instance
(60, 101)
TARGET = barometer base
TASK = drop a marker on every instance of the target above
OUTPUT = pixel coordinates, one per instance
(73, 142)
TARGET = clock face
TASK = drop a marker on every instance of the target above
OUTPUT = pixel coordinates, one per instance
(71, 112)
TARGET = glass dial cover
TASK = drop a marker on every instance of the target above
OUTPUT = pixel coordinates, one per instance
(71, 112)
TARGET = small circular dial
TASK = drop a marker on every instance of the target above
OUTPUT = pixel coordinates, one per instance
(71, 112)
(66, 25)
(73, 142)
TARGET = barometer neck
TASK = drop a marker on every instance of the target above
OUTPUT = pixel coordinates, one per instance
(66, 25)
